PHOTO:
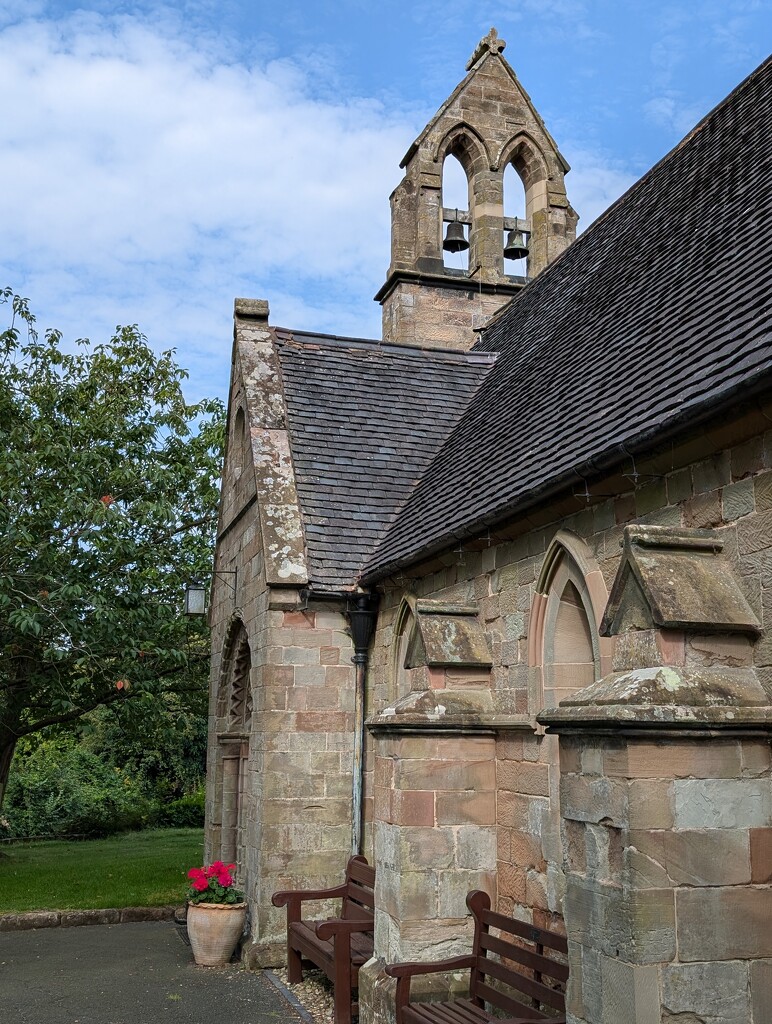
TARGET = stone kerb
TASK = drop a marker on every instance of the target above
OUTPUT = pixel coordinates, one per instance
(666, 805)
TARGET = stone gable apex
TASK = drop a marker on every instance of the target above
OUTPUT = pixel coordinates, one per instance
(485, 62)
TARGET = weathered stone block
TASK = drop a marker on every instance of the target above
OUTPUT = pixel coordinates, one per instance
(738, 500)
(594, 799)
(446, 775)
(604, 917)
(722, 803)
(761, 854)
(630, 992)
(423, 848)
(674, 759)
(476, 848)
(762, 486)
(728, 923)
(703, 510)
(25, 922)
(761, 990)
(755, 533)
(709, 991)
(650, 497)
(704, 858)
(77, 918)
(679, 485)
(710, 474)
(747, 458)
(470, 807)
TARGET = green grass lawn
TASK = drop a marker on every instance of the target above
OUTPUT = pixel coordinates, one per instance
(134, 869)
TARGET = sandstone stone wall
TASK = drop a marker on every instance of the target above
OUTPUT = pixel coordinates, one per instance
(436, 317)
(730, 489)
(303, 739)
(669, 858)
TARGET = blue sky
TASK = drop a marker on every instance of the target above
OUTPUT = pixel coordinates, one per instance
(158, 160)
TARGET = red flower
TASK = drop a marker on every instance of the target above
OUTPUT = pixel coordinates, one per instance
(224, 879)
(107, 499)
(200, 884)
(196, 873)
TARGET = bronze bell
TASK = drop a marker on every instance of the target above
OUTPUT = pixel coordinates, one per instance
(455, 239)
(515, 248)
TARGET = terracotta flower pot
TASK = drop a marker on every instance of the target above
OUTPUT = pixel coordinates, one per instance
(214, 930)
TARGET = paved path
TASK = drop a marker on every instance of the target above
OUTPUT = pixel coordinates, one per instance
(126, 974)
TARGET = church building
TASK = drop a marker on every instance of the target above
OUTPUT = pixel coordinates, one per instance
(492, 600)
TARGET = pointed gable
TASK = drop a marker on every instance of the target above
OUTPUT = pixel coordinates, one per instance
(676, 579)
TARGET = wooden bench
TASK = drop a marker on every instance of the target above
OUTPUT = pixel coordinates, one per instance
(337, 945)
(512, 972)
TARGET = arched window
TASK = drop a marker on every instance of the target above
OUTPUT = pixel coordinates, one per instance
(563, 639)
(238, 443)
(401, 681)
(455, 196)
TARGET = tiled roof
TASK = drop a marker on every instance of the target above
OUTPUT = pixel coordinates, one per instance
(657, 313)
(365, 420)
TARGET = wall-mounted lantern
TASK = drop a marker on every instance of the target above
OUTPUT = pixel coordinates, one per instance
(195, 602)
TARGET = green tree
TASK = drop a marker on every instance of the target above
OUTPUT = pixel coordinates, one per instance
(108, 504)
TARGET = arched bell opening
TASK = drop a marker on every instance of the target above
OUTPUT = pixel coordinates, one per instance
(516, 232)
(456, 219)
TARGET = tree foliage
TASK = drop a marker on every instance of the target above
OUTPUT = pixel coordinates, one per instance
(108, 504)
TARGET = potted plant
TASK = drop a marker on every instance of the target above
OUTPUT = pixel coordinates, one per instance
(216, 914)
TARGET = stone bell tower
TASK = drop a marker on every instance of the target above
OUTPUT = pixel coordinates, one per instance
(487, 123)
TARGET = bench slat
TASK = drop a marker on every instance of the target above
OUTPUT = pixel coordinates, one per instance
(359, 871)
(534, 961)
(459, 1011)
(513, 1007)
(521, 983)
(526, 931)
(359, 894)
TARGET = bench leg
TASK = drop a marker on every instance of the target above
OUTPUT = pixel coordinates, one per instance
(343, 975)
(343, 1002)
(294, 966)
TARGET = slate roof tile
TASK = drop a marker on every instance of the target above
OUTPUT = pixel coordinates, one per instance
(656, 315)
(364, 420)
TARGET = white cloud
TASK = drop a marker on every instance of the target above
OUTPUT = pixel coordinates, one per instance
(147, 177)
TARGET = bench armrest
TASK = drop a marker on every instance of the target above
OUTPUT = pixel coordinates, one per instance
(409, 970)
(340, 926)
(405, 972)
(285, 896)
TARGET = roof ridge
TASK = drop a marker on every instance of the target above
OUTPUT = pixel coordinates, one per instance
(286, 335)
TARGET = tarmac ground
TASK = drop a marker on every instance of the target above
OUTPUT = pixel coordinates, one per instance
(140, 973)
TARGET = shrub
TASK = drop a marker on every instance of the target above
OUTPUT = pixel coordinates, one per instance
(186, 812)
(58, 789)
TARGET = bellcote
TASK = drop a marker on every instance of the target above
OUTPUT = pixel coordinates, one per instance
(487, 124)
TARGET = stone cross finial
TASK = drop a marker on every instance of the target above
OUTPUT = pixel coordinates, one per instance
(488, 44)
